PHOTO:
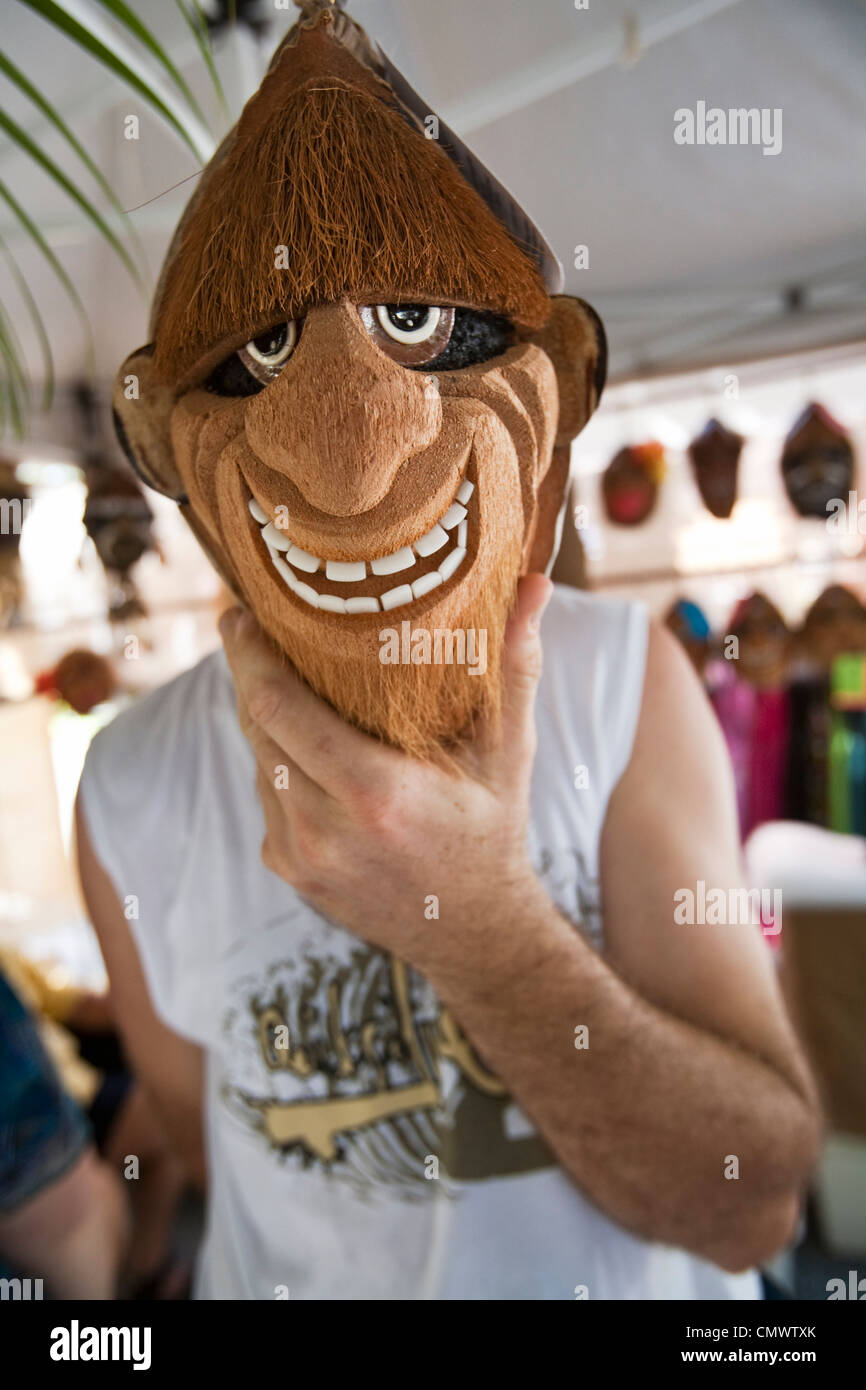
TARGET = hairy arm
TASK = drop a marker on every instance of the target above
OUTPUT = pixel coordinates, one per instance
(690, 1059)
(169, 1067)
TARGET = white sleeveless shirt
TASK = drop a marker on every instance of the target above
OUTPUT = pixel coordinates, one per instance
(357, 1148)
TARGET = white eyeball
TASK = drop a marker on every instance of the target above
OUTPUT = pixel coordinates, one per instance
(408, 323)
(275, 346)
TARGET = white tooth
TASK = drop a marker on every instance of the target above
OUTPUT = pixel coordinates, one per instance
(278, 539)
(433, 541)
(362, 605)
(307, 593)
(427, 582)
(389, 564)
(453, 516)
(452, 560)
(285, 573)
(258, 512)
(465, 491)
(332, 604)
(395, 597)
(302, 561)
(461, 534)
(345, 571)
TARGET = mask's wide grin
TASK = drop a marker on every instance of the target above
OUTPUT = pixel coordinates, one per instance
(383, 582)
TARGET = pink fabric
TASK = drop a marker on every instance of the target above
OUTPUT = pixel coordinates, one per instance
(734, 703)
(769, 757)
(756, 726)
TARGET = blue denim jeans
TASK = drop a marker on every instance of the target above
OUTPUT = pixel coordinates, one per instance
(42, 1130)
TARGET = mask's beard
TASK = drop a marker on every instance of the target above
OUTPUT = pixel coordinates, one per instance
(423, 709)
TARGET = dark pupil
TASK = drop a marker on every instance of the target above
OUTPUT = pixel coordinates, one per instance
(270, 342)
(408, 317)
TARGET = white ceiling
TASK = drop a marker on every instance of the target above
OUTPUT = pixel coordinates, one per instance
(691, 248)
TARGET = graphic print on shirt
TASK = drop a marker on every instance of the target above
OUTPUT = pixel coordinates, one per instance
(341, 1057)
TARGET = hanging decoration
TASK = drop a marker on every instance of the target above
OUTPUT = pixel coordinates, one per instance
(715, 459)
(631, 482)
(117, 516)
(764, 642)
(834, 625)
(817, 462)
(689, 625)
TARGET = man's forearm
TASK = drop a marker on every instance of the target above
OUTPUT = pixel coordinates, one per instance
(679, 1135)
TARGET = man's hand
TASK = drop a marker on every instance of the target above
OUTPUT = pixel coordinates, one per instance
(405, 855)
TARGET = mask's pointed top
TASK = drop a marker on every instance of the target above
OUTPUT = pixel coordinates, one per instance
(311, 9)
(501, 203)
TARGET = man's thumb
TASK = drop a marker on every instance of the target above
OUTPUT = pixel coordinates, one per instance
(522, 653)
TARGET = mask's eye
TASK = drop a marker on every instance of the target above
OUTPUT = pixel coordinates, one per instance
(426, 338)
(257, 363)
(411, 334)
(409, 323)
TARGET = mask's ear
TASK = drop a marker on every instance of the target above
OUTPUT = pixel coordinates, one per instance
(575, 341)
(141, 409)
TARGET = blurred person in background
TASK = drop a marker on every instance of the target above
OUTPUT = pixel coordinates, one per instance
(63, 1217)
(76, 1031)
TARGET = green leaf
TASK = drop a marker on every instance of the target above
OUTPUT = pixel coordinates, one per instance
(16, 381)
(29, 145)
(125, 16)
(30, 226)
(197, 24)
(26, 86)
(196, 137)
(38, 323)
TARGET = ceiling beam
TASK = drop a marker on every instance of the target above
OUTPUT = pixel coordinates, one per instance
(563, 68)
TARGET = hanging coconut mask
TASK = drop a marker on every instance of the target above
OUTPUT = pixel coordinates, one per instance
(764, 643)
(715, 458)
(361, 385)
(817, 462)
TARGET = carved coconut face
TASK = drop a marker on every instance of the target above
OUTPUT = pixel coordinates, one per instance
(834, 625)
(817, 463)
(629, 488)
(360, 385)
(715, 457)
(349, 468)
(764, 643)
(368, 465)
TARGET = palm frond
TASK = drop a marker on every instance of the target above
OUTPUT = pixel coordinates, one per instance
(18, 387)
(37, 320)
(28, 144)
(198, 26)
(36, 235)
(109, 48)
(112, 33)
(131, 21)
(23, 83)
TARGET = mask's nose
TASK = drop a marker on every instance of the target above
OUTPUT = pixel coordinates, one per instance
(342, 418)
